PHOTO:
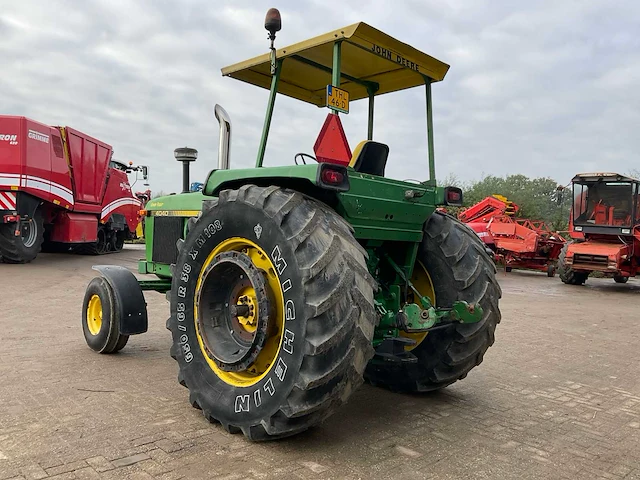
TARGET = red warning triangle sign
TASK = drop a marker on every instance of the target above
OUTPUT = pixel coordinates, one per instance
(332, 145)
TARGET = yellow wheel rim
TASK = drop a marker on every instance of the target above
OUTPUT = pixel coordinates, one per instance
(94, 315)
(247, 296)
(422, 281)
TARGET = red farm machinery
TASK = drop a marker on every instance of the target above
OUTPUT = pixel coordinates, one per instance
(605, 228)
(515, 242)
(61, 190)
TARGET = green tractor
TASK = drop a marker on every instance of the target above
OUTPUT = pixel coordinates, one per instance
(289, 286)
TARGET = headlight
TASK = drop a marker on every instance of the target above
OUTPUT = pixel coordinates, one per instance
(626, 231)
(578, 229)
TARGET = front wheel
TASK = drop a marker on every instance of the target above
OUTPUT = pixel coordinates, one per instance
(551, 270)
(100, 323)
(451, 266)
(620, 279)
(567, 274)
(272, 312)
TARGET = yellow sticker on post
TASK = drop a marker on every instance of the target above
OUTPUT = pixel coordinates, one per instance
(337, 99)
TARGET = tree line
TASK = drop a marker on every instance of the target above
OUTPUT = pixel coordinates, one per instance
(539, 198)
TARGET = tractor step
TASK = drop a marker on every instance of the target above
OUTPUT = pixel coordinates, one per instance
(392, 349)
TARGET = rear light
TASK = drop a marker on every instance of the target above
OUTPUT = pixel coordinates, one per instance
(9, 218)
(332, 177)
(453, 196)
(142, 213)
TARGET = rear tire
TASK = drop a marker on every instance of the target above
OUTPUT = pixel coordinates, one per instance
(307, 249)
(23, 248)
(566, 273)
(461, 270)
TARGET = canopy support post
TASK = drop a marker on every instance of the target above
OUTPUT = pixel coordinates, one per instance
(267, 120)
(432, 165)
(371, 93)
(335, 73)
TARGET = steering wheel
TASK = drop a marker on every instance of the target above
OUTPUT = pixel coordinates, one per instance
(302, 155)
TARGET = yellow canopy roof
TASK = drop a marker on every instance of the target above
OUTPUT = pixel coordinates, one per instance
(368, 56)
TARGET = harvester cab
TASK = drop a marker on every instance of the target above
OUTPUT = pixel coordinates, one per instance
(289, 285)
(604, 223)
(608, 200)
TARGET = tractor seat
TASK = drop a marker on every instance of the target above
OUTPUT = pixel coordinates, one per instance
(370, 157)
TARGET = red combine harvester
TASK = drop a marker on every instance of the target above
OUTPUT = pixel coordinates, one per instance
(60, 190)
(605, 226)
(516, 243)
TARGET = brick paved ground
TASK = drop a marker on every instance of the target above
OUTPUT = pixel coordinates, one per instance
(558, 396)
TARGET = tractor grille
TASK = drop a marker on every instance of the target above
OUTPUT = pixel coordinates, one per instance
(166, 232)
(582, 259)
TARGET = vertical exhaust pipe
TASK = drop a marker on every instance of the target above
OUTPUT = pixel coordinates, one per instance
(225, 137)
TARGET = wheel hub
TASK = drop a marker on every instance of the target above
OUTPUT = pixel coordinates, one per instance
(94, 315)
(235, 309)
(28, 233)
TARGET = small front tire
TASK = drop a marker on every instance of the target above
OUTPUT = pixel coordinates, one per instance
(551, 271)
(100, 322)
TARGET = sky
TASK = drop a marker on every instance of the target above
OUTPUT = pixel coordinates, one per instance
(544, 89)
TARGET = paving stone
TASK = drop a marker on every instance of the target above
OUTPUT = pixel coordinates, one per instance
(126, 461)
